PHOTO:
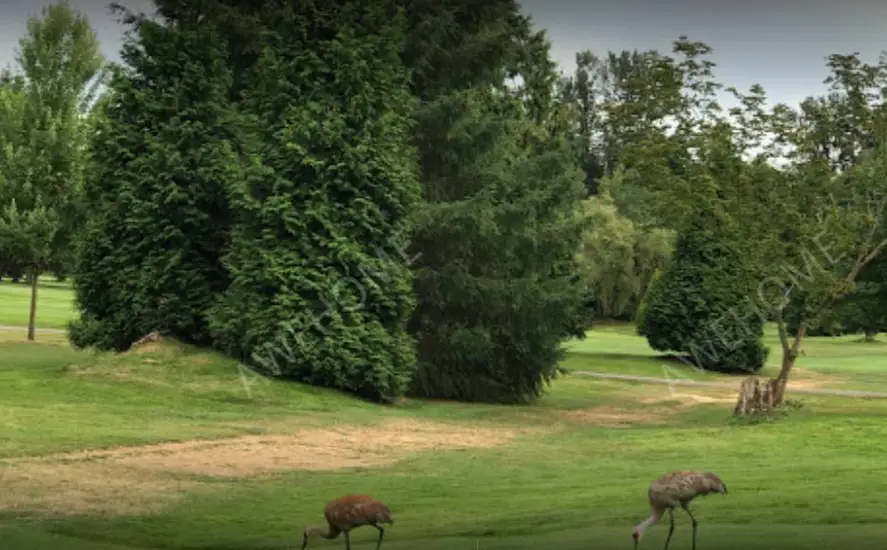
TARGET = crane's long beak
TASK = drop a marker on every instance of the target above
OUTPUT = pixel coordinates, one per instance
(635, 544)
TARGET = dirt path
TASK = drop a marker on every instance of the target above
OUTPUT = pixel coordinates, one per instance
(734, 386)
(38, 329)
(141, 479)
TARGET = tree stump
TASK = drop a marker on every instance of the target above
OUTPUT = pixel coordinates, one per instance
(755, 396)
(150, 338)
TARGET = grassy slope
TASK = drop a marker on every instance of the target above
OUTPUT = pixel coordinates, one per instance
(805, 482)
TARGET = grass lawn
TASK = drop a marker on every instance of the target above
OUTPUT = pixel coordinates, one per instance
(55, 303)
(184, 455)
(835, 363)
(170, 447)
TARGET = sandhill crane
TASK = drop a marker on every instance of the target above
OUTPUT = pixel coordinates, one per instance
(673, 490)
(347, 513)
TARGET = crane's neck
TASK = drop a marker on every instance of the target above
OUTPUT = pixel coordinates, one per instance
(323, 531)
(654, 518)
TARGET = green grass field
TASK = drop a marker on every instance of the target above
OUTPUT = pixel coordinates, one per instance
(170, 447)
(55, 303)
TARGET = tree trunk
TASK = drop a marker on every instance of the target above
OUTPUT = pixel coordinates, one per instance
(789, 356)
(754, 396)
(870, 335)
(763, 396)
(780, 382)
(32, 319)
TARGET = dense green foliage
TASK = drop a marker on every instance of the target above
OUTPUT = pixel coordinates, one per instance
(43, 107)
(697, 307)
(319, 289)
(865, 308)
(862, 310)
(59, 70)
(409, 197)
(13, 161)
(495, 283)
(651, 291)
(619, 257)
(494, 302)
(150, 259)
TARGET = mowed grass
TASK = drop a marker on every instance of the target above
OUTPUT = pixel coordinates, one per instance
(845, 362)
(569, 472)
(576, 477)
(612, 347)
(55, 303)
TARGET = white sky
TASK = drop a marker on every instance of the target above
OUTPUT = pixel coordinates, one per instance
(780, 45)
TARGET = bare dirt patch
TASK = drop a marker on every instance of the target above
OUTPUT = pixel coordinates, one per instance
(86, 487)
(344, 446)
(614, 417)
(651, 405)
(802, 378)
(142, 478)
(691, 399)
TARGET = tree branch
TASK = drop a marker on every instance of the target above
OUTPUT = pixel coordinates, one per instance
(799, 335)
(867, 253)
(851, 277)
(783, 333)
(876, 251)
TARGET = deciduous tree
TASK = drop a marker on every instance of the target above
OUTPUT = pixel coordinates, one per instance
(827, 220)
(618, 257)
(42, 141)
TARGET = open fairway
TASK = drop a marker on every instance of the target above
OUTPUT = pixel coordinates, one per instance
(841, 363)
(170, 447)
(55, 303)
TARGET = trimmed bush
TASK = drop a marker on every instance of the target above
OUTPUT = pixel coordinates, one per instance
(700, 305)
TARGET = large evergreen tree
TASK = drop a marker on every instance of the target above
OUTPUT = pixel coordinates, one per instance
(161, 162)
(498, 231)
(320, 290)
(698, 307)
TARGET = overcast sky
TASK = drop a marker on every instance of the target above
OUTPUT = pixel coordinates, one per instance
(780, 45)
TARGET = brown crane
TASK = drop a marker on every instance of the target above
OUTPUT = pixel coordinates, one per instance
(347, 513)
(673, 490)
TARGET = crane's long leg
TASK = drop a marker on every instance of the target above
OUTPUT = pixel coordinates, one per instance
(381, 534)
(670, 527)
(687, 509)
(347, 541)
